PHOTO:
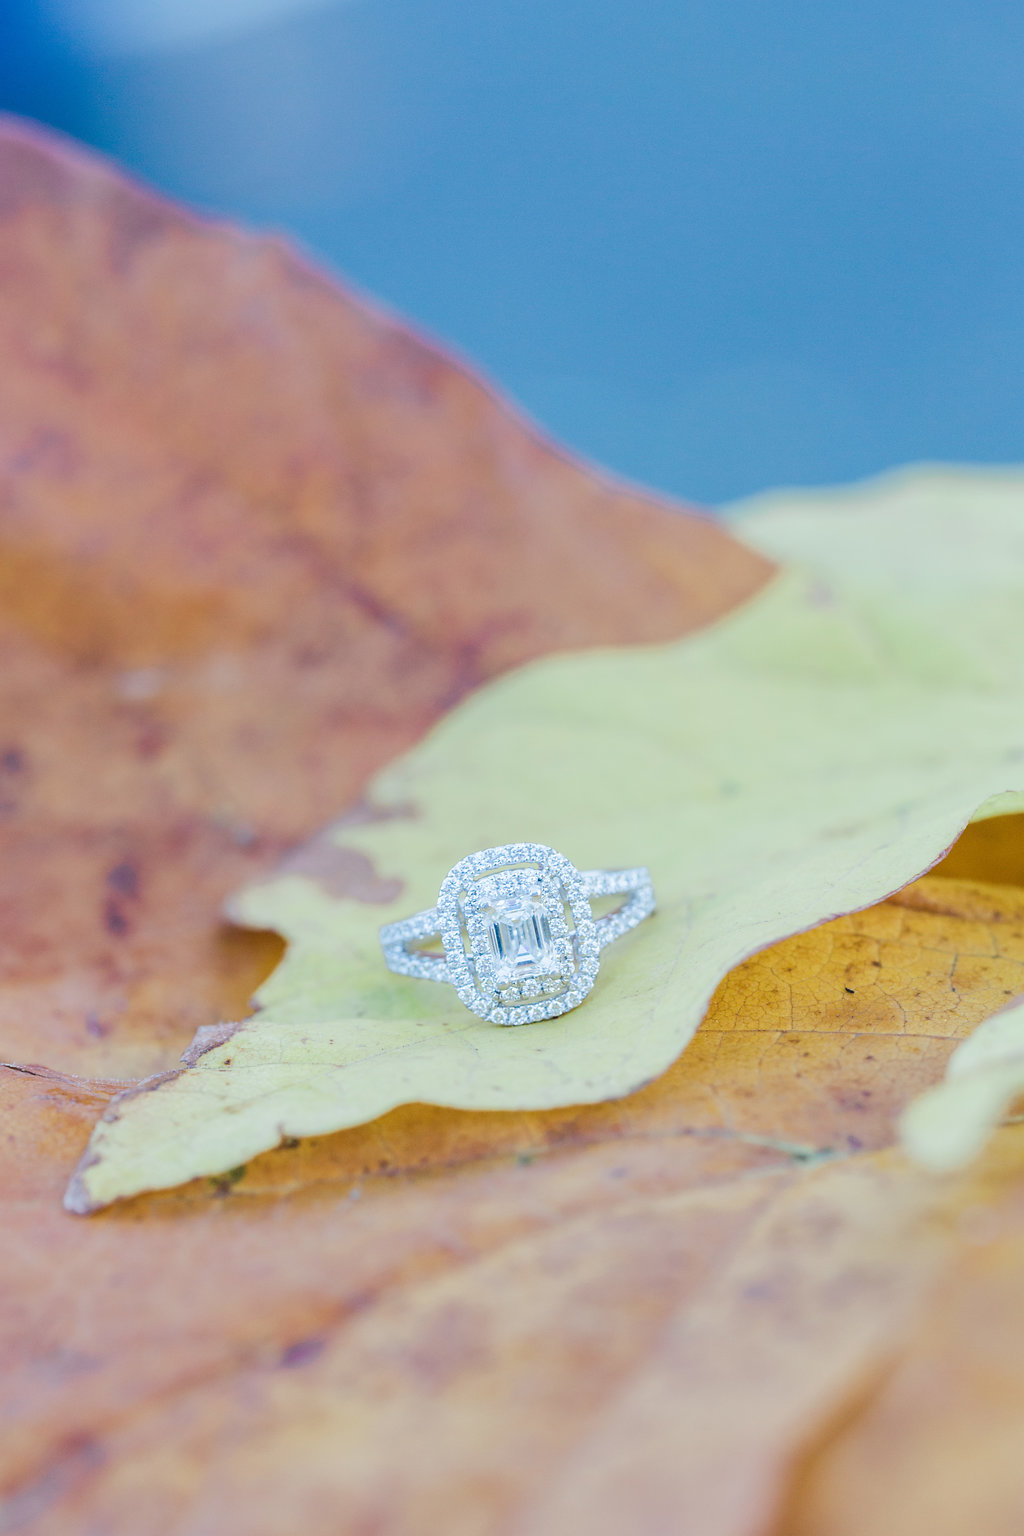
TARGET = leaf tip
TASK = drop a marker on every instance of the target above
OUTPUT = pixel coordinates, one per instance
(78, 1201)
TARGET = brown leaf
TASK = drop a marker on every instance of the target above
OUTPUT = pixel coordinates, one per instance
(255, 536)
(644, 1307)
(931, 1447)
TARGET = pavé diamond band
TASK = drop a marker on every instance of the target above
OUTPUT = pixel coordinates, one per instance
(520, 941)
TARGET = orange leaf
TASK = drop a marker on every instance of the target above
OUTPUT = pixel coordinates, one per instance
(488, 1321)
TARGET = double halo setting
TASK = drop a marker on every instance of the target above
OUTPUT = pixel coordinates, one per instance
(520, 941)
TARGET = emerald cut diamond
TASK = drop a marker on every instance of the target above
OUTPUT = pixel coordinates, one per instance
(519, 938)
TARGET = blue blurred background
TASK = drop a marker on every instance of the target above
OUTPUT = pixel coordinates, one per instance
(715, 244)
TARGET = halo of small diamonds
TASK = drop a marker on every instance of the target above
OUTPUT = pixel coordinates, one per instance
(522, 891)
(521, 943)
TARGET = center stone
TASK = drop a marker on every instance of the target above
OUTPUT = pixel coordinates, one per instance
(519, 935)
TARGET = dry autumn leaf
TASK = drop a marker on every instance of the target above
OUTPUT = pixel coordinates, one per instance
(618, 758)
(648, 1306)
(932, 1446)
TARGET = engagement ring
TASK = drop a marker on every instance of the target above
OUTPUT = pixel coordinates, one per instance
(520, 941)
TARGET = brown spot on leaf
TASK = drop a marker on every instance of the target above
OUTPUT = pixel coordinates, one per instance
(114, 919)
(302, 1352)
(208, 1038)
(124, 879)
(340, 871)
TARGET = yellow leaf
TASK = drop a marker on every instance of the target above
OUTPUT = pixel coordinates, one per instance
(806, 757)
(947, 1126)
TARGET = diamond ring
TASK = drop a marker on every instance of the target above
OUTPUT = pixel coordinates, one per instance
(520, 941)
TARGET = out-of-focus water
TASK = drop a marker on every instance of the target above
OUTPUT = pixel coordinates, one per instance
(715, 244)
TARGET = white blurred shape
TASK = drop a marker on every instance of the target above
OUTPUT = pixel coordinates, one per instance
(112, 28)
(287, 122)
